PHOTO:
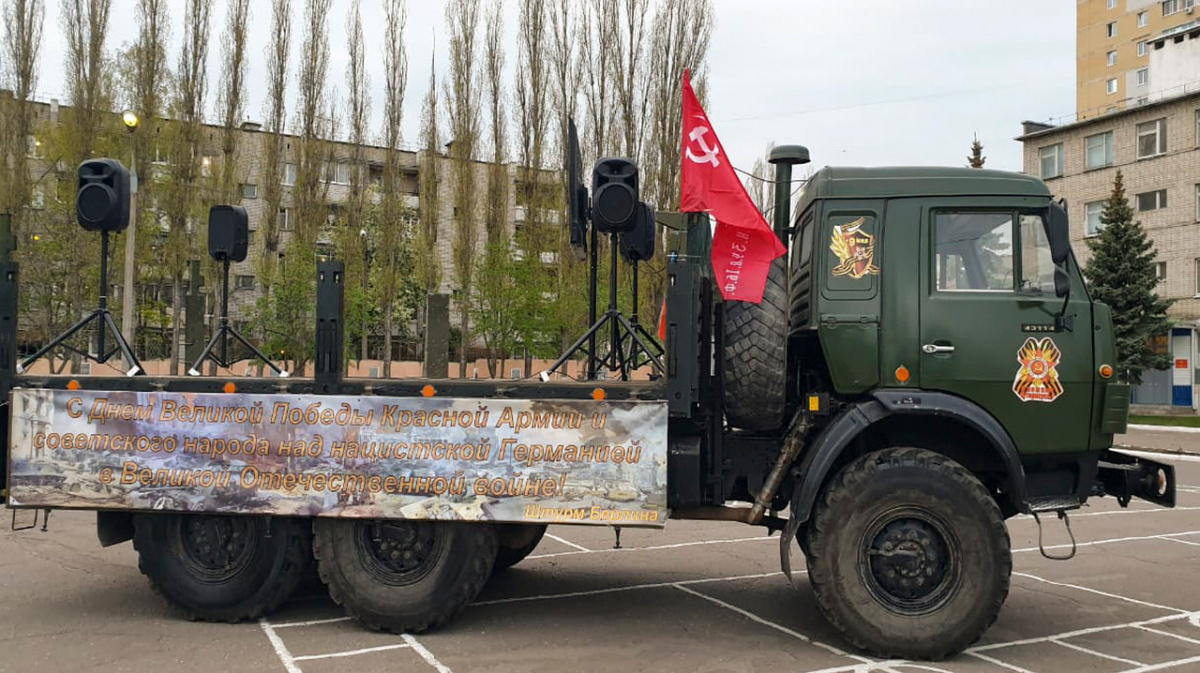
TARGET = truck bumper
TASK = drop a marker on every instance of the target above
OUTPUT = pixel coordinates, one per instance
(1125, 477)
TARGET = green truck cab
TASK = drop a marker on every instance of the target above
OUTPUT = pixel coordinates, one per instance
(946, 370)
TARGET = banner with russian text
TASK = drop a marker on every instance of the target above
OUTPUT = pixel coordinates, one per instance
(544, 461)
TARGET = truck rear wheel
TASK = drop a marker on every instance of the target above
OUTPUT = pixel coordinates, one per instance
(516, 541)
(403, 576)
(222, 568)
(908, 555)
(755, 355)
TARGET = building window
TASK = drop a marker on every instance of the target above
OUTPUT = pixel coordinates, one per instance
(1171, 6)
(1112, 4)
(1112, 58)
(1142, 48)
(241, 282)
(1099, 150)
(1198, 277)
(1143, 19)
(33, 148)
(1197, 128)
(1092, 225)
(1160, 271)
(1052, 163)
(1151, 138)
(1198, 203)
(289, 174)
(1112, 85)
(37, 199)
(1152, 200)
(285, 219)
(249, 190)
(1112, 29)
(1143, 76)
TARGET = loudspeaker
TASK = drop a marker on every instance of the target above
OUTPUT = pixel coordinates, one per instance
(102, 202)
(614, 195)
(637, 245)
(228, 233)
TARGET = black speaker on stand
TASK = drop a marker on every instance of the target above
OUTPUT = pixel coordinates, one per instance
(228, 241)
(637, 245)
(615, 211)
(101, 204)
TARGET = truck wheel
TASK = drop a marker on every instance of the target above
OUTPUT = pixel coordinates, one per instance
(755, 355)
(222, 568)
(403, 576)
(908, 555)
(516, 541)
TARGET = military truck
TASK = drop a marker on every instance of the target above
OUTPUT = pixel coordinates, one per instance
(926, 363)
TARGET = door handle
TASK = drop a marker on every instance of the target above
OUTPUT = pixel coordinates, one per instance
(935, 348)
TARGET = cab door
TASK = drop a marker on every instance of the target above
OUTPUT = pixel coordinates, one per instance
(987, 324)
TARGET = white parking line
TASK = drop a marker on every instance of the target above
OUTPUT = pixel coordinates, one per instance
(568, 543)
(1165, 664)
(1098, 592)
(313, 622)
(778, 627)
(654, 548)
(997, 662)
(1169, 634)
(426, 654)
(281, 650)
(1093, 543)
(1095, 653)
(631, 587)
(351, 653)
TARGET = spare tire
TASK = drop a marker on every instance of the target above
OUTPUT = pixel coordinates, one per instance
(755, 355)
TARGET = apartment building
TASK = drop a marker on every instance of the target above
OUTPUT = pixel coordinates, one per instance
(1156, 146)
(1115, 41)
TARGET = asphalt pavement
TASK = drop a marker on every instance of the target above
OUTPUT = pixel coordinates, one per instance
(695, 597)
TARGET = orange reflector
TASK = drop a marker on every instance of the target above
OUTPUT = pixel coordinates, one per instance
(428, 391)
(1106, 371)
(72, 385)
(814, 403)
(902, 374)
(598, 394)
(230, 387)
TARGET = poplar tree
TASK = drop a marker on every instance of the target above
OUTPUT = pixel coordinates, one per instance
(1121, 274)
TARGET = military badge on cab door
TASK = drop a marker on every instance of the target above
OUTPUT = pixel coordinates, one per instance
(855, 250)
(1037, 379)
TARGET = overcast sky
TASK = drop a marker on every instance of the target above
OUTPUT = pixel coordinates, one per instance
(859, 83)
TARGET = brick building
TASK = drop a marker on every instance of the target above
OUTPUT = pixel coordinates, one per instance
(1156, 146)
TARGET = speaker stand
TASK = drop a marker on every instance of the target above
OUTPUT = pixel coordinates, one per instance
(616, 359)
(224, 331)
(104, 321)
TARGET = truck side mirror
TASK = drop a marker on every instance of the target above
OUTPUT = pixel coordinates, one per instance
(1060, 234)
(1062, 281)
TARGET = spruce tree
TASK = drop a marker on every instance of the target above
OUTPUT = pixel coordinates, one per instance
(975, 159)
(1121, 274)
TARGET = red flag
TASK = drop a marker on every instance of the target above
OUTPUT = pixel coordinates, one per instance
(744, 244)
(662, 322)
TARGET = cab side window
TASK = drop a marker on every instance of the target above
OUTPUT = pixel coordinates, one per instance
(1037, 267)
(974, 252)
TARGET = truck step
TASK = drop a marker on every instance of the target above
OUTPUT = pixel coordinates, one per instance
(1054, 503)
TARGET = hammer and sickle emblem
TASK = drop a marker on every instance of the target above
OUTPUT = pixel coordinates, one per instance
(709, 155)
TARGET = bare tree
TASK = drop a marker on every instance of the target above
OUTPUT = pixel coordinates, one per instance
(231, 95)
(273, 171)
(532, 114)
(392, 234)
(496, 218)
(462, 112)
(599, 30)
(429, 269)
(632, 79)
(22, 41)
(352, 239)
(85, 27)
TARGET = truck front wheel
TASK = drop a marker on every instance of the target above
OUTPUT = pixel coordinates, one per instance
(403, 576)
(222, 568)
(908, 554)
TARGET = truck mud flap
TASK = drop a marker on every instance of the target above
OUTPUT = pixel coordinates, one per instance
(1125, 477)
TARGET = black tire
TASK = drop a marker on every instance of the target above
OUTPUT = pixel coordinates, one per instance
(755, 355)
(222, 568)
(516, 541)
(942, 526)
(403, 576)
